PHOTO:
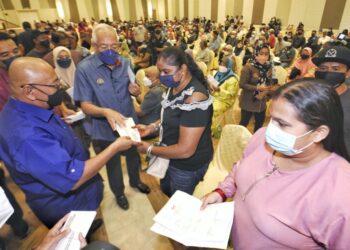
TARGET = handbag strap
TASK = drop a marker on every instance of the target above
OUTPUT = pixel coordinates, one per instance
(161, 118)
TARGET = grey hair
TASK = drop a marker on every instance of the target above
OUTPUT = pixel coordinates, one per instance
(101, 27)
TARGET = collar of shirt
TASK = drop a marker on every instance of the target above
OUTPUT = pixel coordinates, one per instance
(41, 113)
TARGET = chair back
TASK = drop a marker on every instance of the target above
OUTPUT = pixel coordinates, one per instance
(233, 141)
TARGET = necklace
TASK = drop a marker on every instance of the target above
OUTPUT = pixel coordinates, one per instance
(266, 175)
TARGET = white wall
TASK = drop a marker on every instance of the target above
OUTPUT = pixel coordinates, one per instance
(309, 12)
(221, 12)
(139, 9)
(345, 21)
(161, 9)
(66, 9)
(83, 8)
(204, 9)
(181, 9)
(229, 7)
(48, 14)
(10, 17)
(191, 10)
(124, 15)
(171, 9)
(282, 11)
(102, 12)
(247, 11)
(270, 9)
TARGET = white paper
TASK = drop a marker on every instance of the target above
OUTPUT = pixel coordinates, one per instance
(132, 76)
(213, 81)
(6, 210)
(182, 220)
(76, 117)
(128, 130)
(78, 222)
(70, 92)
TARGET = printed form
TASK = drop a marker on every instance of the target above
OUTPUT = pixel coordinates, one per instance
(182, 220)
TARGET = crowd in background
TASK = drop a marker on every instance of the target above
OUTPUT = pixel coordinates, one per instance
(220, 62)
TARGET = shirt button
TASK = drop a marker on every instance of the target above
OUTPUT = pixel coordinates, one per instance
(72, 170)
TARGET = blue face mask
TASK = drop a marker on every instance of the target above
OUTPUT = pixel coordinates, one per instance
(64, 63)
(109, 57)
(168, 80)
(283, 142)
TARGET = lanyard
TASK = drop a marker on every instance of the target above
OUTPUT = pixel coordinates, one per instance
(161, 118)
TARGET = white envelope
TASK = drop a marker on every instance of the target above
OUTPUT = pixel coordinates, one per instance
(76, 117)
(128, 130)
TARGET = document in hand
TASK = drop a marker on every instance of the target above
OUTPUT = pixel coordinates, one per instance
(78, 222)
(182, 220)
(128, 130)
(6, 209)
(131, 75)
(76, 117)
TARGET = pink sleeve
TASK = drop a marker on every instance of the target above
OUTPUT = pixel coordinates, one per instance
(228, 185)
(337, 235)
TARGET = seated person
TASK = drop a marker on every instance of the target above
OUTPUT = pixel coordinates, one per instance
(44, 157)
(203, 55)
(62, 39)
(149, 109)
(224, 93)
(142, 60)
(303, 66)
(287, 56)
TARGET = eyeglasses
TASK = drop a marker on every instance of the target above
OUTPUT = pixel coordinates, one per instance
(58, 84)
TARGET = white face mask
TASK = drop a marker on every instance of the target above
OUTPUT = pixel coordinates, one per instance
(222, 69)
(147, 82)
(283, 142)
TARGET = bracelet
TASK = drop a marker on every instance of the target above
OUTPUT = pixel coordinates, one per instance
(221, 193)
(155, 127)
(149, 150)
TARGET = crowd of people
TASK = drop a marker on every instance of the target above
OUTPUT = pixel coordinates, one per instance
(192, 73)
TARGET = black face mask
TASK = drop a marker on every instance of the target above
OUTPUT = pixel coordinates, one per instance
(333, 78)
(45, 44)
(304, 57)
(7, 62)
(53, 100)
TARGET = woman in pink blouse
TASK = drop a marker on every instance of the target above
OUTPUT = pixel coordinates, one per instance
(292, 186)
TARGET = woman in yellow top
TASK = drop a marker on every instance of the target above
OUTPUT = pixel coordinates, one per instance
(225, 86)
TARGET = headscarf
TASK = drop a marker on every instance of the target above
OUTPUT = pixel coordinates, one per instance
(67, 74)
(221, 77)
(304, 65)
(263, 68)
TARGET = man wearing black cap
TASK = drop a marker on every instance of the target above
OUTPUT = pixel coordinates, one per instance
(333, 65)
(41, 40)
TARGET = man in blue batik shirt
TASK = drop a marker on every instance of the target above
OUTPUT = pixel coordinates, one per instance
(103, 88)
(41, 152)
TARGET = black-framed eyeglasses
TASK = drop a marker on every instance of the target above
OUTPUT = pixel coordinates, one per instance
(58, 84)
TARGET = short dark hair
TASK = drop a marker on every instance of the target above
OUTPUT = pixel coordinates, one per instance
(317, 103)
(26, 25)
(58, 36)
(4, 36)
